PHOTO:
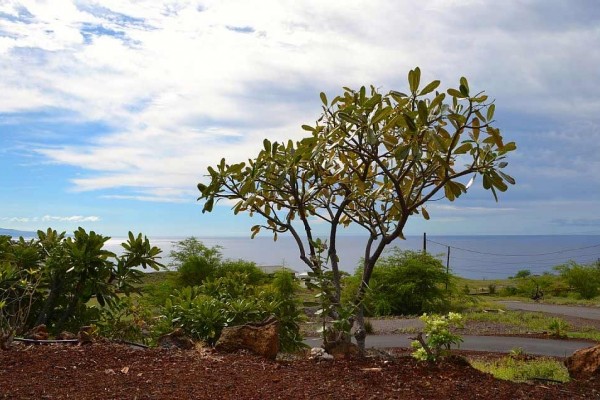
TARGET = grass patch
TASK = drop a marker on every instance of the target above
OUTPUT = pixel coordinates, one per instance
(516, 370)
(530, 321)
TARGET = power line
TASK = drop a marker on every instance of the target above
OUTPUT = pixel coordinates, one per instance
(513, 255)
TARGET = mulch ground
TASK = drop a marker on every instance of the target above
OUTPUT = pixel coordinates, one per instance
(112, 371)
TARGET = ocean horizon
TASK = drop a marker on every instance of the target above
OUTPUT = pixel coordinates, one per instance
(475, 257)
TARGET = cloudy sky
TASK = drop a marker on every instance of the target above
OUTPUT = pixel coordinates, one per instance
(111, 111)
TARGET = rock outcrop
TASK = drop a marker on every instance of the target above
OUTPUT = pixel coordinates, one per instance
(584, 362)
(260, 338)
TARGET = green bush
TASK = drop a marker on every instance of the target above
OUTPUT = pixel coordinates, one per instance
(203, 311)
(196, 270)
(254, 274)
(439, 338)
(61, 279)
(405, 283)
(524, 273)
(584, 279)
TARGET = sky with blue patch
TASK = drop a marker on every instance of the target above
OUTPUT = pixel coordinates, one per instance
(111, 111)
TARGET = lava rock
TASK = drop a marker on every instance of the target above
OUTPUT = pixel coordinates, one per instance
(260, 338)
(584, 362)
(176, 340)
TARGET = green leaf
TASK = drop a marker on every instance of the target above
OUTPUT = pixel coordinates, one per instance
(381, 114)
(349, 118)
(425, 213)
(463, 82)
(455, 93)
(255, 229)
(414, 76)
(463, 148)
(308, 128)
(409, 122)
(202, 187)
(323, 98)
(490, 112)
(267, 145)
(423, 111)
(437, 100)
(208, 206)
(464, 90)
(507, 177)
(510, 146)
(430, 88)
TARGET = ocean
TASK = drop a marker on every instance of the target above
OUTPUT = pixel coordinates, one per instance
(475, 257)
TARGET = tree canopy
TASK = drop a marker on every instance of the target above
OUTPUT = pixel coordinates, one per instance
(372, 160)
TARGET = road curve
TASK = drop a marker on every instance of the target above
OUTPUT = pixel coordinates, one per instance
(572, 311)
(498, 344)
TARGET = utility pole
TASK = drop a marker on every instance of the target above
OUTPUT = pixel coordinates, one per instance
(424, 242)
(447, 268)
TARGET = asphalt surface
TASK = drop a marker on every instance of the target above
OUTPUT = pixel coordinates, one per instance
(498, 344)
(572, 311)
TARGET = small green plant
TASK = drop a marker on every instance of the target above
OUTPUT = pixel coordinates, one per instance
(492, 288)
(519, 370)
(558, 327)
(125, 319)
(516, 352)
(439, 338)
(466, 289)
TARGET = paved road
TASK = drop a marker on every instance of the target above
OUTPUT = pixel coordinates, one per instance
(499, 344)
(572, 311)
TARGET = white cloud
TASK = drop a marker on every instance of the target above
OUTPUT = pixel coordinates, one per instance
(179, 88)
(47, 218)
(73, 218)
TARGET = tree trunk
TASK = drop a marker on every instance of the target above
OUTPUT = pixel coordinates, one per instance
(49, 304)
(361, 333)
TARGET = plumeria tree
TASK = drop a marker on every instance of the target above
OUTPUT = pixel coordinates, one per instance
(51, 279)
(372, 160)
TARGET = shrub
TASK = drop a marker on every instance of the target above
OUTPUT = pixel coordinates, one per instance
(524, 273)
(405, 283)
(203, 311)
(124, 320)
(195, 270)
(584, 279)
(254, 274)
(439, 337)
(558, 327)
(192, 247)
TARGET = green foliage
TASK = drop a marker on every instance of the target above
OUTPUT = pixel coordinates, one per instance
(57, 276)
(195, 270)
(187, 248)
(126, 319)
(255, 275)
(439, 338)
(203, 311)
(406, 283)
(558, 327)
(584, 279)
(524, 273)
(518, 370)
(371, 159)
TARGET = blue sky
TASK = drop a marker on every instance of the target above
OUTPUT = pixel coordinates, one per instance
(111, 111)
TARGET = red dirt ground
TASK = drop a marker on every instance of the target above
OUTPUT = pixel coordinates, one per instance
(112, 371)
